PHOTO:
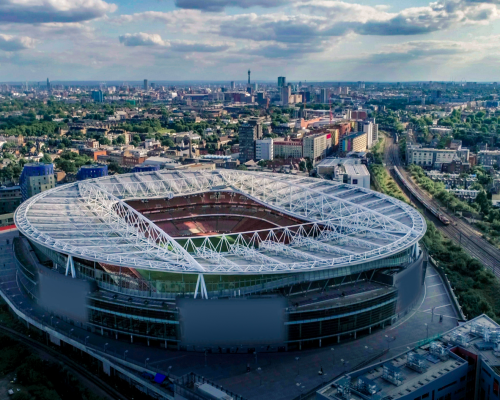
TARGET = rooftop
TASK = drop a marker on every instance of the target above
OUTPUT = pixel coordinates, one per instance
(346, 224)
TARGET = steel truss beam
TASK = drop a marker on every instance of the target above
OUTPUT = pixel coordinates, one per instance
(91, 220)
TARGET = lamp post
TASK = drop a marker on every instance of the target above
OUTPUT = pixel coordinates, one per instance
(297, 359)
(146, 362)
(260, 375)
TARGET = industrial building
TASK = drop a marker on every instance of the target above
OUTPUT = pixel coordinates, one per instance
(345, 170)
(461, 364)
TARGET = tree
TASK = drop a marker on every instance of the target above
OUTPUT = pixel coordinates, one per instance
(120, 139)
(242, 167)
(104, 141)
(482, 200)
(46, 159)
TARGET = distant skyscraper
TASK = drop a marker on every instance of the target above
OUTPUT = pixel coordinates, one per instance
(233, 86)
(281, 81)
(249, 77)
(146, 85)
(249, 132)
(286, 92)
(324, 96)
(97, 96)
(48, 85)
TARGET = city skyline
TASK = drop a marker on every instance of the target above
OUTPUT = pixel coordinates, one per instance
(221, 39)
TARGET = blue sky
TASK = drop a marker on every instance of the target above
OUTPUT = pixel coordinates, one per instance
(315, 40)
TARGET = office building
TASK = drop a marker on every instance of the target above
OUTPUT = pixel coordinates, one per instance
(264, 149)
(286, 92)
(97, 96)
(233, 86)
(354, 142)
(36, 178)
(323, 96)
(146, 85)
(249, 132)
(281, 81)
(48, 85)
(316, 147)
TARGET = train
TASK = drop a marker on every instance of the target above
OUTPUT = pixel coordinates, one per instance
(439, 215)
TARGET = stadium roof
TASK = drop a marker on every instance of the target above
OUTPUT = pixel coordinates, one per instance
(346, 224)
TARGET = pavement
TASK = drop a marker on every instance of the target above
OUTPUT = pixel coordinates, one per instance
(281, 376)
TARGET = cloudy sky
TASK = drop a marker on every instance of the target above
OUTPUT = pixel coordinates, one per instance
(315, 40)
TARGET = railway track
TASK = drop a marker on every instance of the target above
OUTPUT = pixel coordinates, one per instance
(458, 230)
(77, 369)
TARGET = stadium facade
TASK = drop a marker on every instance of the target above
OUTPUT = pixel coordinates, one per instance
(221, 260)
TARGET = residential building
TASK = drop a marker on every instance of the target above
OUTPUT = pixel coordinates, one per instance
(36, 178)
(354, 142)
(249, 132)
(7, 219)
(91, 171)
(264, 149)
(434, 158)
(92, 152)
(10, 199)
(316, 147)
(488, 157)
(440, 130)
(288, 148)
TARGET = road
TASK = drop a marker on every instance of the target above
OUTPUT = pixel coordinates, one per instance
(459, 231)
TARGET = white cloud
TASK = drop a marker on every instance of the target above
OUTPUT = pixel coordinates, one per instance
(16, 43)
(183, 46)
(40, 11)
(142, 39)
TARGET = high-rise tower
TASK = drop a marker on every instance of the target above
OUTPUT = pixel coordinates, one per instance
(249, 77)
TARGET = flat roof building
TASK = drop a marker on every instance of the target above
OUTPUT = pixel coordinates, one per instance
(461, 364)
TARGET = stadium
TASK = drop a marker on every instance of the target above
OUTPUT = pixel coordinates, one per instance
(224, 260)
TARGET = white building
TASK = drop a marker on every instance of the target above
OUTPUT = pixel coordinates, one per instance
(316, 147)
(427, 157)
(264, 149)
(345, 170)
